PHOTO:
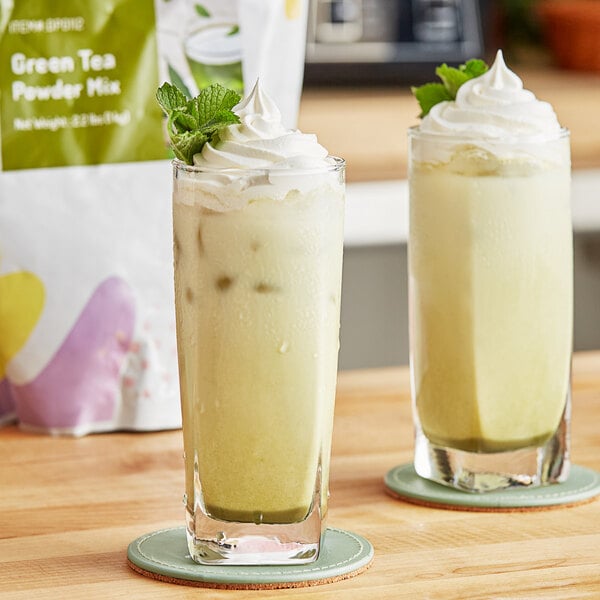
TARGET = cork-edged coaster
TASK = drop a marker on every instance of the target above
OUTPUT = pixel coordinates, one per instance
(582, 485)
(164, 555)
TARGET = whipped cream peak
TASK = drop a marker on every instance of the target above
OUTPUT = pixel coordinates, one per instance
(500, 76)
(258, 104)
(260, 140)
(494, 105)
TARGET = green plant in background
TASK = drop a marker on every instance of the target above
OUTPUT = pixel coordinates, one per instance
(521, 22)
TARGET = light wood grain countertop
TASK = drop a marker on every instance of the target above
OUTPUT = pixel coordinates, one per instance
(70, 507)
(368, 126)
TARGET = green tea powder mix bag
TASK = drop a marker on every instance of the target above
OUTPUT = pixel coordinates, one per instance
(87, 332)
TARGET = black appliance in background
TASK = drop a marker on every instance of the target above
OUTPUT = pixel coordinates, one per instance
(372, 42)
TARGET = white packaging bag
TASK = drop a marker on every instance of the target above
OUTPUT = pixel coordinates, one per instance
(87, 333)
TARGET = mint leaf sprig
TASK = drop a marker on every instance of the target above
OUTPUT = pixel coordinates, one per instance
(430, 94)
(193, 123)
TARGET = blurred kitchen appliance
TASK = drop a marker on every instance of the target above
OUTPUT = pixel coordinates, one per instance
(389, 41)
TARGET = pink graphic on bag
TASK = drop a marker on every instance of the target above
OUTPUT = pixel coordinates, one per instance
(81, 383)
(7, 401)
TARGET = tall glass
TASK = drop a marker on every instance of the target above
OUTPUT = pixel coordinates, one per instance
(258, 266)
(491, 305)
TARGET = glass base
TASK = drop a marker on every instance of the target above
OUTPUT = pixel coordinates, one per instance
(485, 472)
(215, 542)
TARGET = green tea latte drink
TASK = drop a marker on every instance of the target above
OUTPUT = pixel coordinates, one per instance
(258, 240)
(491, 290)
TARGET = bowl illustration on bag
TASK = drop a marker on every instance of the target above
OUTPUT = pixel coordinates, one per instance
(214, 54)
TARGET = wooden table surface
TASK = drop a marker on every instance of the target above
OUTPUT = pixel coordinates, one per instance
(70, 507)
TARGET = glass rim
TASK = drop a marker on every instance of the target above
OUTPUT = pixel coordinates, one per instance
(335, 164)
(415, 132)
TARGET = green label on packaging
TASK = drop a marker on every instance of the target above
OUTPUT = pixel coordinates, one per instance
(78, 82)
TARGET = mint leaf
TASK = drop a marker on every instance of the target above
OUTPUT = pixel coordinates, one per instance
(213, 101)
(188, 143)
(430, 94)
(220, 120)
(193, 123)
(170, 97)
(451, 78)
(474, 68)
(181, 121)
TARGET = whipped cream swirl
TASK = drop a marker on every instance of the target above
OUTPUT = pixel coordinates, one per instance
(258, 158)
(261, 141)
(493, 106)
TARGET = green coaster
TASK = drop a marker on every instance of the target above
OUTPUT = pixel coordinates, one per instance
(164, 555)
(582, 485)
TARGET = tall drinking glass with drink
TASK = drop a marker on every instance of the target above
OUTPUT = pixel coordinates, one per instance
(491, 283)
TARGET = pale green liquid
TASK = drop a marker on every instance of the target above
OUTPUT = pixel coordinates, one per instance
(258, 300)
(491, 297)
